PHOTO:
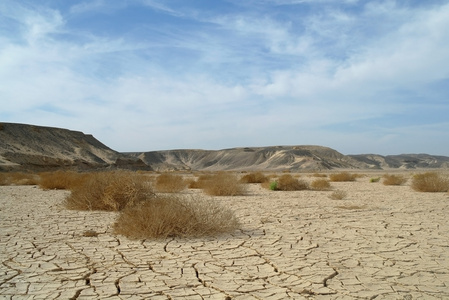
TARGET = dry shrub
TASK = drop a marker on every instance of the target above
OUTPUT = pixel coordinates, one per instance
(193, 184)
(170, 183)
(394, 179)
(343, 176)
(18, 178)
(320, 185)
(90, 233)
(338, 195)
(190, 183)
(256, 177)
(267, 184)
(61, 180)
(170, 216)
(110, 191)
(319, 175)
(201, 182)
(223, 184)
(287, 182)
(430, 182)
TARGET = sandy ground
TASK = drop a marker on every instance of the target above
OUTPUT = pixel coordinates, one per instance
(381, 242)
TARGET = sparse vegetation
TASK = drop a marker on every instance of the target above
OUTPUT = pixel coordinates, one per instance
(143, 213)
(110, 191)
(319, 175)
(287, 182)
(223, 184)
(338, 195)
(273, 186)
(171, 216)
(18, 178)
(343, 176)
(256, 177)
(430, 182)
(61, 180)
(201, 182)
(90, 233)
(374, 179)
(170, 183)
(394, 180)
(320, 185)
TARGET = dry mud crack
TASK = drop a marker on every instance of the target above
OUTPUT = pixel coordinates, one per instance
(381, 243)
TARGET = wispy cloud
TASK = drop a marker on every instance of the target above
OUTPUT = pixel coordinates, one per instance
(286, 72)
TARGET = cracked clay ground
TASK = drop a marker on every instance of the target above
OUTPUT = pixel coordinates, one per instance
(382, 242)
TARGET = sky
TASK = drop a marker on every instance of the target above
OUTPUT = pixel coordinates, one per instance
(142, 75)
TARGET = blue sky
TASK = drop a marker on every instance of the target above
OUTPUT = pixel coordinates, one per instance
(140, 75)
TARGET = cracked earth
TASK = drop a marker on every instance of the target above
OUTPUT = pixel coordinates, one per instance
(381, 242)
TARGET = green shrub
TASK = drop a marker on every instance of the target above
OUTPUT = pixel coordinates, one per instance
(374, 179)
(273, 186)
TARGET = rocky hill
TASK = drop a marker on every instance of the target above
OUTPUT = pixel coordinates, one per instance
(36, 148)
(293, 158)
(29, 147)
(403, 161)
(278, 158)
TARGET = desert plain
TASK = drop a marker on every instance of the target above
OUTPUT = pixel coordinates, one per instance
(379, 242)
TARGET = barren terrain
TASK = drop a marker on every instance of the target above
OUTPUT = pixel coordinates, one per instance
(380, 242)
(37, 148)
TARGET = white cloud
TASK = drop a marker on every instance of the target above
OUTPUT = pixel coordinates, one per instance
(97, 6)
(252, 80)
(412, 54)
(161, 6)
(36, 22)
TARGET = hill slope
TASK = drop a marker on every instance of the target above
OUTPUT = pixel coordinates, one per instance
(403, 161)
(32, 147)
(29, 147)
(293, 158)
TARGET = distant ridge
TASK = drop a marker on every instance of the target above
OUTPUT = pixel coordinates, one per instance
(30, 147)
(293, 158)
(403, 161)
